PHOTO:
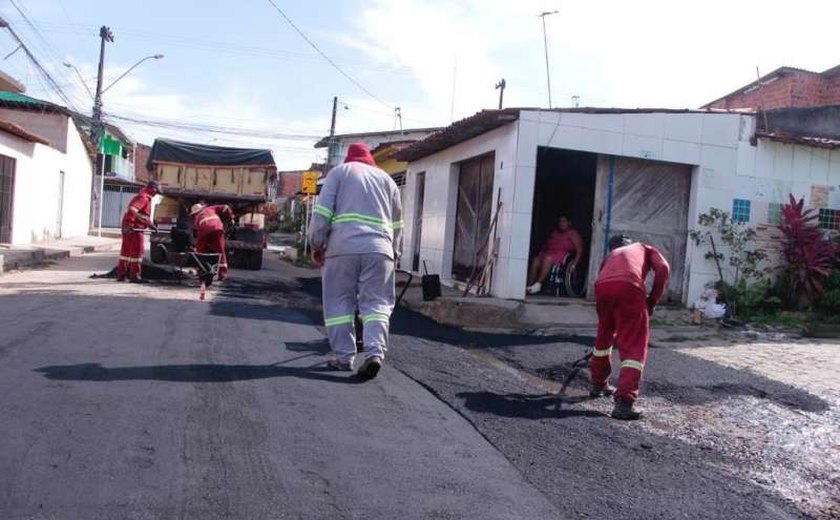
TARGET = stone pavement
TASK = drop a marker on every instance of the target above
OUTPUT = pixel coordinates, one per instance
(29, 255)
(807, 364)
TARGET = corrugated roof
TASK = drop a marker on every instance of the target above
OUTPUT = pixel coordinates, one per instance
(459, 132)
(804, 140)
(325, 141)
(487, 120)
(16, 100)
(19, 131)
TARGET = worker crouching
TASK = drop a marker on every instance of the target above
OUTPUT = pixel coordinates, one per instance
(356, 234)
(624, 319)
(210, 231)
(135, 221)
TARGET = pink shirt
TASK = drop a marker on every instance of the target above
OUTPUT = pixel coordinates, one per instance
(632, 263)
(560, 243)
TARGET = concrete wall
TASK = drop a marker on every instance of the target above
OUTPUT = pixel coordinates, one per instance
(37, 184)
(51, 127)
(441, 190)
(716, 145)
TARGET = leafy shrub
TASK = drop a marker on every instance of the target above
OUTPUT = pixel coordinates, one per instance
(829, 300)
(806, 254)
(744, 288)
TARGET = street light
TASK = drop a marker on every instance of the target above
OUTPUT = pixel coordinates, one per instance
(545, 43)
(124, 74)
(98, 130)
(82, 79)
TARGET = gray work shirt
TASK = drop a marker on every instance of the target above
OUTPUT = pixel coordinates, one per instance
(358, 212)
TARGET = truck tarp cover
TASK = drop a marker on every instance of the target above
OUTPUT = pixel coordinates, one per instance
(166, 150)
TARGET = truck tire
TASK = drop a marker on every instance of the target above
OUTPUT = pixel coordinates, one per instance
(157, 254)
(255, 259)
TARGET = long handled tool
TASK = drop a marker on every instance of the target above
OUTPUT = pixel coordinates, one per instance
(360, 342)
(576, 366)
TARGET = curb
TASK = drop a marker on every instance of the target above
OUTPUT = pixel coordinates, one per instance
(18, 260)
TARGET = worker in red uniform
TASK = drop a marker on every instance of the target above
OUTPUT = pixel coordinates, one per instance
(137, 218)
(624, 311)
(210, 231)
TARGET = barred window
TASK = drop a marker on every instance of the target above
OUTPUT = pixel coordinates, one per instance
(774, 213)
(741, 210)
(829, 219)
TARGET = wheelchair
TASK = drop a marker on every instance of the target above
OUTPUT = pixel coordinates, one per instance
(563, 281)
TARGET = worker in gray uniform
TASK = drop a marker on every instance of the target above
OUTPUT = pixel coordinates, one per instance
(356, 235)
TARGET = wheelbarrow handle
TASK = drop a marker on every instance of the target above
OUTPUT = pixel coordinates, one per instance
(406, 286)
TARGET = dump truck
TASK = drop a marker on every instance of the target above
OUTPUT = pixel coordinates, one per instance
(192, 173)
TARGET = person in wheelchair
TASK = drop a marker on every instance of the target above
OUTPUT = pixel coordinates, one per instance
(564, 240)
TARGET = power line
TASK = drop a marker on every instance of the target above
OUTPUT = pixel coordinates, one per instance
(194, 127)
(50, 80)
(323, 55)
(42, 41)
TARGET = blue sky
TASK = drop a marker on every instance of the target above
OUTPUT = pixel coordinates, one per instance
(239, 64)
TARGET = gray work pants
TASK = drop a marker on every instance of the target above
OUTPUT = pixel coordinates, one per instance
(364, 282)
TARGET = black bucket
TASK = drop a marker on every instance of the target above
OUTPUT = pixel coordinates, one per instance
(430, 284)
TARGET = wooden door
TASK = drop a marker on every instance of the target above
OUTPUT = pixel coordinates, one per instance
(650, 204)
(7, 197)
(473, 214)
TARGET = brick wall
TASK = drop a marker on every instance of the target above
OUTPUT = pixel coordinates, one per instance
(792, 89)
(141, 155)
(289, 183)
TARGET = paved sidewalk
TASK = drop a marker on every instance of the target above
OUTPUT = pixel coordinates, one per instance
(29, 255)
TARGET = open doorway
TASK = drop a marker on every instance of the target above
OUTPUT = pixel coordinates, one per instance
(565, 186)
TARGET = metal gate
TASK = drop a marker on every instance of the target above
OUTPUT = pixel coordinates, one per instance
(115, 202)
(649, 201)
(7, 197)
(475, 207)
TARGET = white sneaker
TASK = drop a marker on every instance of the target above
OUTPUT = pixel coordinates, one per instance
(534, 289)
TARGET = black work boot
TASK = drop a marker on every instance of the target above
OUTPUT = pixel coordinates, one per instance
(624, 411)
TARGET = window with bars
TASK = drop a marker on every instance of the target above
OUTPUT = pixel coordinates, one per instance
(741, 210)
(829, 219)
(774, 213)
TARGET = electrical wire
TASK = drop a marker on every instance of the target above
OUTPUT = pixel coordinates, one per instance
(329, 60)
(44, 72)
(49, 51)
(196, 127)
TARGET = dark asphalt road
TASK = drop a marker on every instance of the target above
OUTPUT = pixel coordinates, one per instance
(141, 402)
(588, 465)
(214, 410)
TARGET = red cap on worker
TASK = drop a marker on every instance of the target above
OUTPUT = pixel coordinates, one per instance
(359, 152)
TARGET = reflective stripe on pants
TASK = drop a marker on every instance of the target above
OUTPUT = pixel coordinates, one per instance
(623, 323)
(131, 255)
(363, 282)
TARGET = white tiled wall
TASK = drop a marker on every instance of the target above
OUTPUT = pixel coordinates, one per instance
(717, 144)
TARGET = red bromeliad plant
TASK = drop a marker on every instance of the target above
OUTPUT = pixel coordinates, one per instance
(808, 256)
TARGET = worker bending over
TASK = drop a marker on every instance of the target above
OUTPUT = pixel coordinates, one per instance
(624, 319)
(356, 234)
(210, 231)
(136, 219)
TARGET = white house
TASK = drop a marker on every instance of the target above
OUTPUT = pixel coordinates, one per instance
(647, 173)
(45, 172)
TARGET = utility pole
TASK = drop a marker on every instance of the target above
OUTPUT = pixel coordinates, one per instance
(331, 146)
(97, 133)
(500, 86)
(545, 43)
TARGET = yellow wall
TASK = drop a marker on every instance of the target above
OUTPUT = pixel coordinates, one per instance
(390, 165)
